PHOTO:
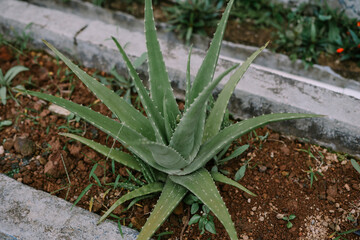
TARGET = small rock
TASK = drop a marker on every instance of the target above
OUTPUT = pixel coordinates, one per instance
(44, 113)
(55, 144)
(59, 110)
(347, 187)
(280, 216)
(332, 191)
(137, 222)
(274, 136)
(74, 149)
(261, 219)
(285, 150)
(55, 164)
(179, 210)
(81, 166)
(262, 168)
(330, 199)
(2, 151)
(42, 160)
(8, 144)
(24, 146)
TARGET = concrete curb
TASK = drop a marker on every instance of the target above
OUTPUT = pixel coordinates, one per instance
(262, 90)
(28, 214)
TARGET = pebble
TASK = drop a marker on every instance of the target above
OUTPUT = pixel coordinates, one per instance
(347, 187)
(261, 219)
(280, 216)
(2, 151)
(24, 146)
(8, 144)
(262, 168)
(59, 110)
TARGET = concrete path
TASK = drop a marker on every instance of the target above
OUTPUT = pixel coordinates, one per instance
(29, 214)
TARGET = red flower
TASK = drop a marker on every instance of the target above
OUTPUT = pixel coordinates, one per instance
(339, 50)
(358, 24)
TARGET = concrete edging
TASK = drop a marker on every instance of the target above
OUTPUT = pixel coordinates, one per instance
(262, 90)
(28, 214)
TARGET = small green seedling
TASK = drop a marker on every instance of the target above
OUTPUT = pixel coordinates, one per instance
(312, 174)
(5, 82)
(204, 219)
(288, 219)
(241, 172)
(355, 165)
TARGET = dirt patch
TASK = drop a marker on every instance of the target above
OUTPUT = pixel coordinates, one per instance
(279, 170)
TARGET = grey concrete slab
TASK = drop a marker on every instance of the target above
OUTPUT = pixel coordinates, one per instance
(29, 214)
(262, 89)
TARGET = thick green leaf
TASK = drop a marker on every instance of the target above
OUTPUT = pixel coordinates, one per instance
(222, 178)
(119, 131)
(355, 165)
(156, 120)
(118, 156)
(202, 185)
(160, 87)
(189, 132)
(170, 197)
(123, 110)
(12, 72)
(209, 149)
(207, 68)
(213, 122)
(3, 94)
(144, 190)
(165, 156)
(188, 81)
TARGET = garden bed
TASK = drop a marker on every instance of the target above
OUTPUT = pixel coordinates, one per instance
(278, 171)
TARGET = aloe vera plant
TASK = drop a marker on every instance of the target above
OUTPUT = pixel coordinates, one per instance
(169, 147)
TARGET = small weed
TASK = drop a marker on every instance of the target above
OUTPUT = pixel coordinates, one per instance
(337, 235)
(288, 219)
(204, 220)
(190, 17)
(5, 82)
(241, 172)
(312, 173)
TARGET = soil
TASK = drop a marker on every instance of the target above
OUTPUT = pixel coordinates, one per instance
(247, 33)
(32, 152)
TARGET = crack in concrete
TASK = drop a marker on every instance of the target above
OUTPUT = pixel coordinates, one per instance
(78, 32)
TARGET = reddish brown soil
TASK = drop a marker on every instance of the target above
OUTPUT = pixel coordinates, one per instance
(277, 170)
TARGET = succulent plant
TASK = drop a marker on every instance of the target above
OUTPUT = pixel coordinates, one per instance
(170, 147)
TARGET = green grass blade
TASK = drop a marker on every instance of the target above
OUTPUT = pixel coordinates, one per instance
(165, 156)
(207, 69)
(160, 87)
(209, 149)
(189, 132)
(201, 184)
(222, 178)
(144, 190)
(213, 122)
(123, 110)
(170, 197)
(156, 120)
(118, 156)
(12, 72)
